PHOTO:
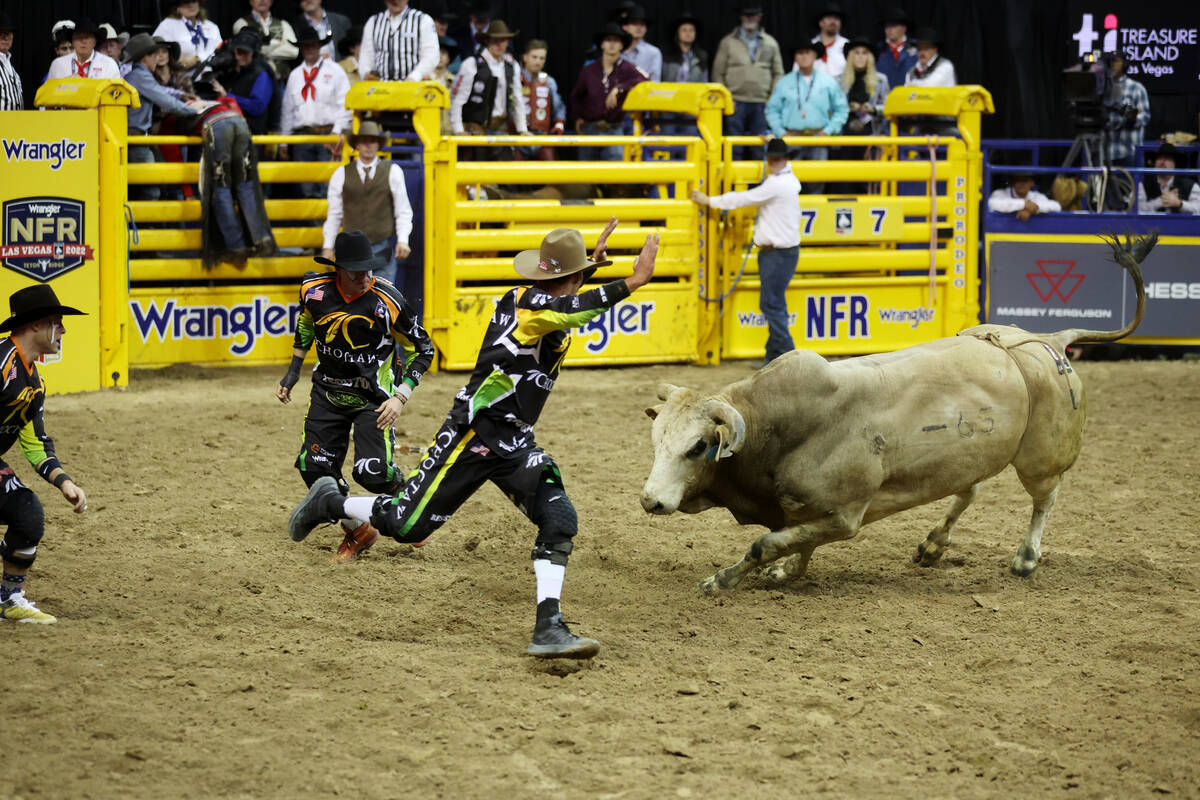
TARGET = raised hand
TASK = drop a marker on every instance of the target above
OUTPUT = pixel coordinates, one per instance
(601, 251)
(643, 266)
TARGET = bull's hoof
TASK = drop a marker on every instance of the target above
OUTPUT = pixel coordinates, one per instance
(778, 574)
(928, 553)
(1024, 563)
(711, 585)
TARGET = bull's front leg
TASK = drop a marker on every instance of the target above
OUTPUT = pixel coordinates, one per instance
(802, 539)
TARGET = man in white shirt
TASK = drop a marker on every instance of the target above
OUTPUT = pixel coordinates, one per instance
(84, 62)
(487, 98)
(368, 194)
(314, 103)
(1021, 198)
(12, 96)
(777, 236)
(644, 55)
(398, 44)
(1164, 193)
(932, 69)
(833, 61)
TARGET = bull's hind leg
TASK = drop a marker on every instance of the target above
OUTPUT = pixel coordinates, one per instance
(930, 550)
(1044, 491)
(802, 539)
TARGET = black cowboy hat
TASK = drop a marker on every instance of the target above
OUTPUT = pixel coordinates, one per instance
(33, 303)
(613, 29)
(858, 41)
(830, 10)
(1165, 149)
(88, 26)
(750, 10)
(926, 35)
(633, 12)
(353, 36)
(685, 17)
(777, 148)
(437, 9)
(817, 47)
(6, 23)
(246, 39)
(307, 34)
(896, 16)
(352, 252)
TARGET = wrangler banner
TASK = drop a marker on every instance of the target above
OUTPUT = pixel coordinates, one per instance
(49, 208)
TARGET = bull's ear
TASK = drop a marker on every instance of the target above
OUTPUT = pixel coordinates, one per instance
(665, 390)
(653, 411)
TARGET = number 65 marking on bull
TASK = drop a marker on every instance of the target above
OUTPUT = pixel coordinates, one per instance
(878, 215)
(809, 215)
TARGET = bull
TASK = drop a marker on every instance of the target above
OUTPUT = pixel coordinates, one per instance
(814, 450)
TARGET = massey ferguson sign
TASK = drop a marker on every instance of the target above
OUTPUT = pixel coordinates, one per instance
(1048, 286)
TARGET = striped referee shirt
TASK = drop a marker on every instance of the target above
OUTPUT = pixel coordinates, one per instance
(11, 94)
(403, 47)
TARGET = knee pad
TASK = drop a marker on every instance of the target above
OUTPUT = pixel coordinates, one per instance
(555, 516)
(25, 529)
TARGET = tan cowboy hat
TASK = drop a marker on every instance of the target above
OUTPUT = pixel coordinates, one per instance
(496, 29)
(367, 130)
(562, 253)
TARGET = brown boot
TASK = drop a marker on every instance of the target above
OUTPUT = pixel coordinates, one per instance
(355, 543)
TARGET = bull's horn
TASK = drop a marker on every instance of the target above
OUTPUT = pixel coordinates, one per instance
(665, 390)
(731, 427)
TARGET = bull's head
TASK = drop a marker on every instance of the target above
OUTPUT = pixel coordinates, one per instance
(690, 435)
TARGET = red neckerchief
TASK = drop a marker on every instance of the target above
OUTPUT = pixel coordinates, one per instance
(82, 69)
(309, 92)
(896, 48)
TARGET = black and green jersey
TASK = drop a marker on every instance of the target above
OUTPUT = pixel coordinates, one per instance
(21, 400)
(522, 352)
(356, 338)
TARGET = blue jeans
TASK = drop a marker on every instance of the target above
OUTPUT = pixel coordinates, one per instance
(606, 153)
(387, 249)
(748, 119)
(810, 154)
(234, 171)
(775, 271)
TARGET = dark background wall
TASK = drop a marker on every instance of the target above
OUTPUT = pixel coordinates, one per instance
(1014, 48)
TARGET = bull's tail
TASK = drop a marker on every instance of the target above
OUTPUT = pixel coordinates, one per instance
(1129, 254)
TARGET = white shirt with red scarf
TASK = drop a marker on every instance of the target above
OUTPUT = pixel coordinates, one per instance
(314, 97)
(98, 66)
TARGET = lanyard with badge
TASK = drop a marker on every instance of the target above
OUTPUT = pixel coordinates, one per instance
(800, 104)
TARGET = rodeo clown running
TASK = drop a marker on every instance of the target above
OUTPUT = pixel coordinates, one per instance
(37, 330)
(488, 434)
(360, 381)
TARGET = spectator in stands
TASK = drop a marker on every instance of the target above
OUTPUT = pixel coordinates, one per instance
(330, 24)
(145, 54)
(897, 55)
(279, 40)
(600, 92)
(777, 236)
(749, 64)
(644, 55)
(61, 35)
(1164, 193)
(683, 62)
(442, 20)
(314, 104)
(479, 16)
(350, 44)
(807, 103)
(12, 94)
(1129, 113)
(188, 25)
(486, 98)
(112, 43)
(234, 221)
(829, 26)
(547, 113)
(399, 44)
(931, 69)
(442, 73)
(1021, 198)
(250, 81)
(85, 61)
(866, 90)
(369, 194)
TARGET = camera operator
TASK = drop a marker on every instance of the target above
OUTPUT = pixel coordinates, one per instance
(1128, 113)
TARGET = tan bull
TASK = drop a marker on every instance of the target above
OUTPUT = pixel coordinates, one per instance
(814, 450)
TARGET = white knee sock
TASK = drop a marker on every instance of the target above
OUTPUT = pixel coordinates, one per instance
(358, 508)
(549, 579)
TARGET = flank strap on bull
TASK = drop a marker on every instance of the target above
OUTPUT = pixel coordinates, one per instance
(1060, 359)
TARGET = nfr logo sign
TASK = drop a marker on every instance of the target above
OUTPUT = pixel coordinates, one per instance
(43, 237)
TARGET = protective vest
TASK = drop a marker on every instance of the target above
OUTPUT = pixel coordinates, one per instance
(368, 206)
(478, 108)
(538, 101)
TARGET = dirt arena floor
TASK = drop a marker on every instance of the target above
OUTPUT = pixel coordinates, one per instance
(200, 653)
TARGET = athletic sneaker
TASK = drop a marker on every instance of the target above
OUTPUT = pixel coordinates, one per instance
(553, 639)
(322, 504)
(18, 608)
(355, 543)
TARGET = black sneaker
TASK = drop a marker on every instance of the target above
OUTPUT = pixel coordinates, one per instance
(553, 639)
(321, 505)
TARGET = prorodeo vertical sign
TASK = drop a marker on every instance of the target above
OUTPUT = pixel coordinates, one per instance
(49, 213)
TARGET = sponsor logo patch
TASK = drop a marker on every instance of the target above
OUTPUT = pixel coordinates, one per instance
(43, 237)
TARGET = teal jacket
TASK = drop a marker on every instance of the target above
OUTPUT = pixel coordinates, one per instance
(800, 103)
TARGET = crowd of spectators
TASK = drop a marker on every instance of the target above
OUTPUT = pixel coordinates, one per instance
(291, 76)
